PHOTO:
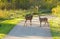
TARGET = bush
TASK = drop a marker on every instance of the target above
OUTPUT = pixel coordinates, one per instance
(56, 11)
(11, 14)
(4, 14)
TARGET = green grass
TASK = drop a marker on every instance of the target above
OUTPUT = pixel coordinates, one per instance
(55, 28)
(7, 25)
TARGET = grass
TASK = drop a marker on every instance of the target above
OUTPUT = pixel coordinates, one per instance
(7, 25)
(55, 28)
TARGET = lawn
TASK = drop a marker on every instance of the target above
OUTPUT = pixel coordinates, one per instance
(7, 25)
(55, 28)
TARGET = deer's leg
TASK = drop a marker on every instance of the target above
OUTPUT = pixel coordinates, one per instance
(25, 22)
(40, 23)
(48, 23)
(30, 22)
(45, 23)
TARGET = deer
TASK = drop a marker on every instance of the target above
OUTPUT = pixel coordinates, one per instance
(28, 17)
(45, 19)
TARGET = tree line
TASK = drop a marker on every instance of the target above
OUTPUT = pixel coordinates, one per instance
(27, 4)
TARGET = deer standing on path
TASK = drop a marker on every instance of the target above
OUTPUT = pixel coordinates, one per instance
(43, 20)
(28, 17)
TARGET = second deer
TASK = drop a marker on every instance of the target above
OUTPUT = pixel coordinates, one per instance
(45, 19)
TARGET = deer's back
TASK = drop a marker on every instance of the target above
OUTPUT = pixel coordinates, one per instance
(43, 19)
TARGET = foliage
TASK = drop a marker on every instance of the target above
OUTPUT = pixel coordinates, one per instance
(56, 11)
(55, 27)
(4, 14)
(26, 4)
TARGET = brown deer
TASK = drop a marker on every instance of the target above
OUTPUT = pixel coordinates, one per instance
(43, 20)
(28, 17)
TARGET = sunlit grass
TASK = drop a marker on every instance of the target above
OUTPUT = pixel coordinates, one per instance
(55, 28)
(7, 25)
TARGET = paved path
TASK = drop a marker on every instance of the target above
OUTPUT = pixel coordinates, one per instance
(30, 32)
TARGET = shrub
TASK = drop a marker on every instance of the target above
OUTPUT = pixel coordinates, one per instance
(56, 11)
